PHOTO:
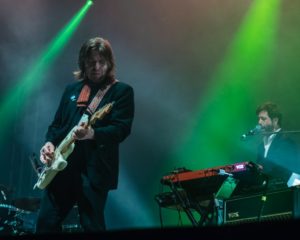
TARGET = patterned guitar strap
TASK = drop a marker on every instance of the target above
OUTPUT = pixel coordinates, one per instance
(95, 102)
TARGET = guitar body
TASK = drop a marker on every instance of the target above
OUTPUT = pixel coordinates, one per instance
(64, 150)
(59, 163)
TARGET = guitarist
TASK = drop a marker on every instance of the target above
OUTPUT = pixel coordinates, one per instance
(93, 165)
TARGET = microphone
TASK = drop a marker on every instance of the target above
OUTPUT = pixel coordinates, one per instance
(252, 132)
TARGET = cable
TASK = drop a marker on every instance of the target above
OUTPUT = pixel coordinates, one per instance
(160, 217)
(263, 200)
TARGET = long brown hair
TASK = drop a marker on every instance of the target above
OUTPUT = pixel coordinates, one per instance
(105, 50)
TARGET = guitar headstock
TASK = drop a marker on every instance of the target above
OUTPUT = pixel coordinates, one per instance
(101, 113)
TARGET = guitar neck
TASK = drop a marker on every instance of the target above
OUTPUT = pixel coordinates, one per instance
(68, 140)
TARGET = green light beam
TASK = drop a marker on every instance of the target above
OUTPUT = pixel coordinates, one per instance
(236, 87)
(18, 94)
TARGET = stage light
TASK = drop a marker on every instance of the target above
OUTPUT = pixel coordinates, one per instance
(17, 95)
(236, 85)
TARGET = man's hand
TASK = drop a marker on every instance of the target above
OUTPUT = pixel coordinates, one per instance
(47, 153)
(83, 132)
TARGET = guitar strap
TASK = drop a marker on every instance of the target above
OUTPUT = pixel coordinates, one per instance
(95, 102)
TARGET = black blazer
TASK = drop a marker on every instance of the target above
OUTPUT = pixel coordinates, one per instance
(282, 158)
(98, 159)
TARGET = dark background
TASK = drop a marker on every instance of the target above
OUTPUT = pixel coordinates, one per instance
(172, 52)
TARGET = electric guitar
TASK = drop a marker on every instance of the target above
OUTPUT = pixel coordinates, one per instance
(64, 149)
